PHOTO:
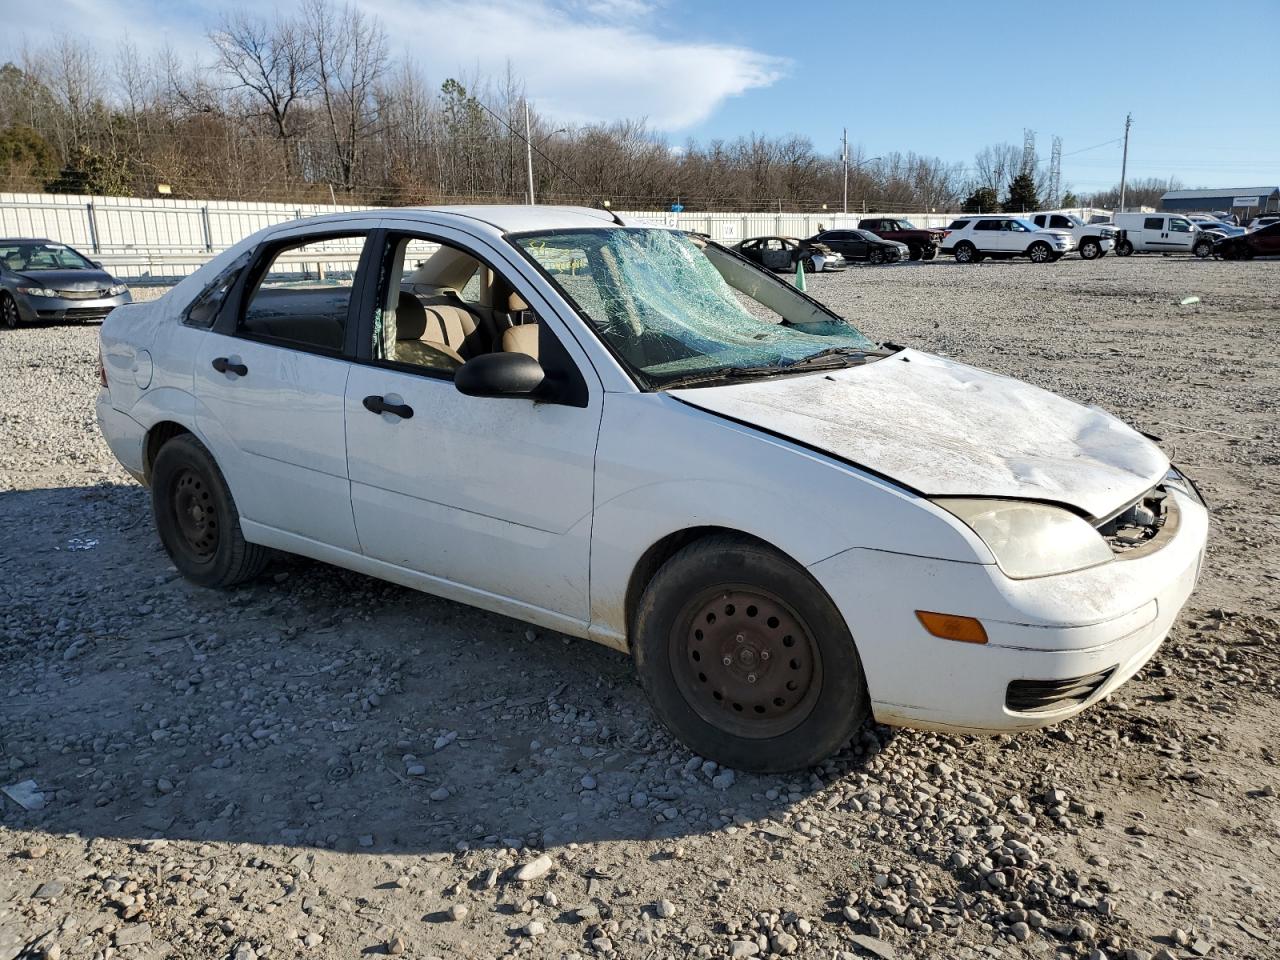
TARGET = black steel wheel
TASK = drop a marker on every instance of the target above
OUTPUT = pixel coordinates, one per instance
(197, 518)
(746, 659)
(916, 252)
(9, 311)
(929, 252)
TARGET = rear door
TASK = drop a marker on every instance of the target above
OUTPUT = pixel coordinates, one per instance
(270, 384)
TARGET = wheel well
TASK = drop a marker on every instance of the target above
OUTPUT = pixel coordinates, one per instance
(662, 551)
(157, 437)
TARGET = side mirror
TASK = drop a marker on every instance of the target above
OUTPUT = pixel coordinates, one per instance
(501, 375)
(97, 263)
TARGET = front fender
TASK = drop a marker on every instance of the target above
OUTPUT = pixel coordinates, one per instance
(663, 467)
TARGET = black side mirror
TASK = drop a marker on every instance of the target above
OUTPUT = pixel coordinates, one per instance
(97, 263)
(501, 375)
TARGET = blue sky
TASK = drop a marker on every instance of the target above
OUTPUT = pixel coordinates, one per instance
(937, 78)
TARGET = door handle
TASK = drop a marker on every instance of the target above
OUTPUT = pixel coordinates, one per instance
(223, 365)
(376, 404)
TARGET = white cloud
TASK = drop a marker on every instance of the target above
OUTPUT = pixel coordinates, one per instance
(579, 65)
(581, 60)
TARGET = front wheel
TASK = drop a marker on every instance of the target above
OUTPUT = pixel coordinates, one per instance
(1040, 252)
(876, 256)
(915, 252)
(929, 252)
(197, 518)
(1090, 250)
(966, 252)
(1124, 249)
(808, 265)
(1203, 249)
(9, 315)
(746, 659)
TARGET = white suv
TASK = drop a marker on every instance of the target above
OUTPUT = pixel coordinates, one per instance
(1001, 237)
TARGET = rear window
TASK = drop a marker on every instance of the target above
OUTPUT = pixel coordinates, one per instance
(958, 224)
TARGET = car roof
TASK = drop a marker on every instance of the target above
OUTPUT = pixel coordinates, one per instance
(506, 218)
(25, 240)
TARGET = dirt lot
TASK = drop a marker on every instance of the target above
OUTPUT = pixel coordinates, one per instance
(323, 765)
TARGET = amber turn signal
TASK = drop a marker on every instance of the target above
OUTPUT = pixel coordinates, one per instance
(948, 626)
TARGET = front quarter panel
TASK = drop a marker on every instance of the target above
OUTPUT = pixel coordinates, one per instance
(663, 466)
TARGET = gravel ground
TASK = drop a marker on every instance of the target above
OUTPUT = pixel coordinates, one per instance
(324, 765)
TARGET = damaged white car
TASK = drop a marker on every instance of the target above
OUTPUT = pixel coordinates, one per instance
(632, 434)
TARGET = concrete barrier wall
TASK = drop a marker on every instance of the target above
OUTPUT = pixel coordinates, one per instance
(157, 240)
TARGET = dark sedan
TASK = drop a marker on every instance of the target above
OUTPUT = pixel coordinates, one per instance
(863, 245)
(41, 280)
(1264, 242)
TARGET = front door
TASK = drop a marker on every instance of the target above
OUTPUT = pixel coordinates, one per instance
(1181, 235)
(270, 384)
(492, 495)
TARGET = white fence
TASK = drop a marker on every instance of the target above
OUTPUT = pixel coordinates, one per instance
(145, 240)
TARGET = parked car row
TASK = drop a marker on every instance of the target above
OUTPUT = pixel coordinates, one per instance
(44, 280)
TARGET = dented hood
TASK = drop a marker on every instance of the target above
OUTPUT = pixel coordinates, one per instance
(947, 429)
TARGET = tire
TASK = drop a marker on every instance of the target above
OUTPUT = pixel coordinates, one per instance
(9, 315)
(1203, 250)
(1124, 249)
(197, 518)
(916, 252)
(929, 252)
(1090, 249)
(808, 265)
(1040, 252)
(793, 692)
(966, 252)
(876, 255)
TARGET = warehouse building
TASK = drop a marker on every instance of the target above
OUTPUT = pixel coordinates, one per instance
(1243, 201)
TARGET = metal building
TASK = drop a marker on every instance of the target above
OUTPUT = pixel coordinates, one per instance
(1243, 201)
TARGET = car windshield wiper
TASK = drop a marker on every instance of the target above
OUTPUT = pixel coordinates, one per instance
(720, 373)
(828, 358)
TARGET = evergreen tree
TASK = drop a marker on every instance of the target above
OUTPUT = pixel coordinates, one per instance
(1022, 194)
(982, 200)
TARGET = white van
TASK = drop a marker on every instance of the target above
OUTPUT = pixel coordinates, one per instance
(1160, 233)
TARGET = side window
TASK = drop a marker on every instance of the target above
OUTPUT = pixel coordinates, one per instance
(438, 306)
(301, 297)
(204, 308)
(1058, 221)
(1178, 225)
(987, 225)
(958, 225)
(1038, 220)
(1153, 223)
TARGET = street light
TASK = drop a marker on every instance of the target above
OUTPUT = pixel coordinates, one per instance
(860, 163)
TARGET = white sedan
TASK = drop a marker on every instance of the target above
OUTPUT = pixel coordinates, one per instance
(631, 434)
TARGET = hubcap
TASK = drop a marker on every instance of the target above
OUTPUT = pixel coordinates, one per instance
(745, 662)
(196, 513)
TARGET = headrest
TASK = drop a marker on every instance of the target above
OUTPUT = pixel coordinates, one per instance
(516, 304)
(411, 318)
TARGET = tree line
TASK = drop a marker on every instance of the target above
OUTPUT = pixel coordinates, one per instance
(313, 108)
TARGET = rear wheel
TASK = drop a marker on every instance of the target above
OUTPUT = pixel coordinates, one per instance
(1124, 249)
(1040, 252)
(966, 252)
(1090, 249)
(746, 659)
(9, 315)
(197, 518)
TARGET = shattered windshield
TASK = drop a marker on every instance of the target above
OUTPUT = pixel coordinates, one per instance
(675, 308)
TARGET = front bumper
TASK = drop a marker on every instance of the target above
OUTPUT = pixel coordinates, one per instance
(1084, 633)
(53, 309)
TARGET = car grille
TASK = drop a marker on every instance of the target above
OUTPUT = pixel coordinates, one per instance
(83, 294)
(1038, 696)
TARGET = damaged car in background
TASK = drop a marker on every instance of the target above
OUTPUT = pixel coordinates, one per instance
(632, 434)
(783, 254)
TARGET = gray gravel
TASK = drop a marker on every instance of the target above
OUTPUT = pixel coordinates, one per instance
(320, 764)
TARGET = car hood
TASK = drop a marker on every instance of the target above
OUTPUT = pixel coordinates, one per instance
(947, 429)
(68, 279)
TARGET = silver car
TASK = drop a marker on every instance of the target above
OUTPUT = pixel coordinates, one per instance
(41, 280)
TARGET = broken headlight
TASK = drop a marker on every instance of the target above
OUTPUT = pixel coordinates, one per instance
(1175, 479)
(1031, 539)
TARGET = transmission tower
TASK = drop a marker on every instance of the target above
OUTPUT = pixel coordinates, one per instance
(1028, 151)
(1055, 173)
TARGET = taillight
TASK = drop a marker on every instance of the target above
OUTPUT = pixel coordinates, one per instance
(102, 368)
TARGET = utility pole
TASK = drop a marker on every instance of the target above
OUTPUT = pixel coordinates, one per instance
(528, 148)
(1124, 162)
(844, 154)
